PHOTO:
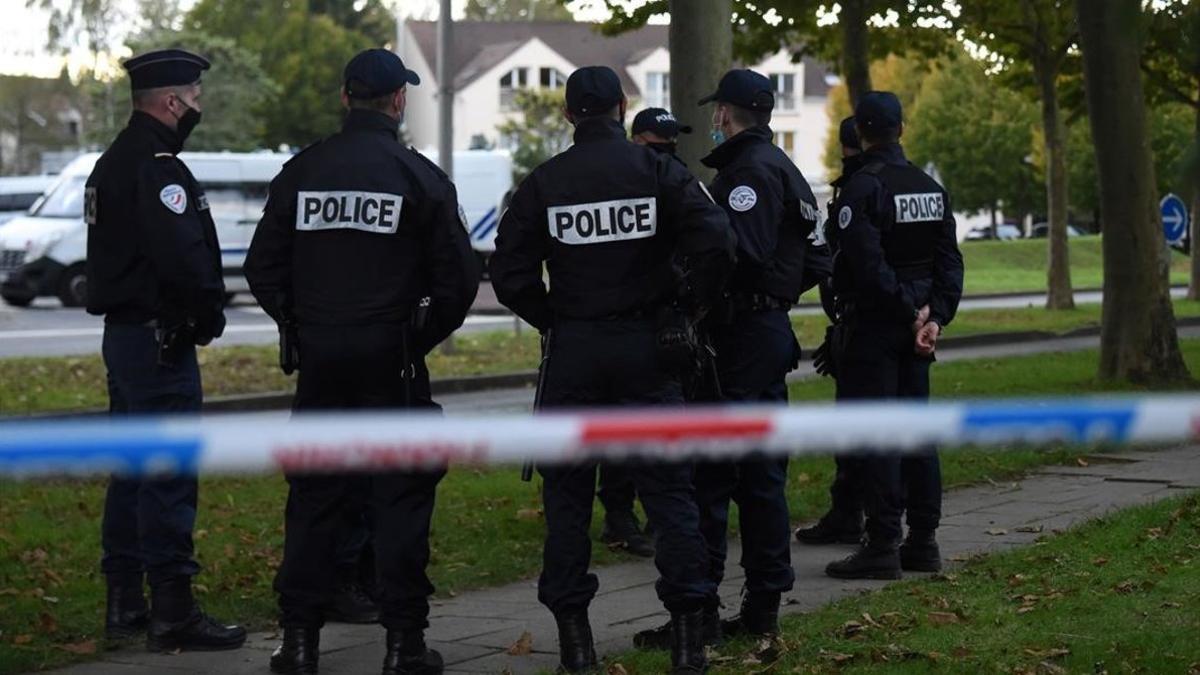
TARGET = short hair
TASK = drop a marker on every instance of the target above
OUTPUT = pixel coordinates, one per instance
(880, 136)
(144, 97)
(745, 117)
(379, 104)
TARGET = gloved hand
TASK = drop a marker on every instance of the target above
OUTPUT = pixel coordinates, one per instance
(821, 360)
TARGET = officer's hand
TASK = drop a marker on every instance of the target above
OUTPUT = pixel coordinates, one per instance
(922, 317)
(821, 360)
(927, 338)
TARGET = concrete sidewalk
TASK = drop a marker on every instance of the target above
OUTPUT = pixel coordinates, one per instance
(475, 630)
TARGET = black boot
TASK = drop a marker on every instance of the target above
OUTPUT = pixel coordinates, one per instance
(660, 637)
(576, 652)
(919, 552)
(408, 655)
(621, 529)
(835, 527)
(299, 651)
(759, 616)
(687, 643)
(870, 561)
(125, 612)
(177, 623)
(351, 604)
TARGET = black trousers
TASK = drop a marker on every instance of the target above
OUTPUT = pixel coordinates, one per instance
(617, 488)
(755, 352)
(613, 363)
(880, 364)
(148, 523)
(357, 367)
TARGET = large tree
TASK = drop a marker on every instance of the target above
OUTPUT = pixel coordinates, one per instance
(694, 73)
(1032, 40)
(1171, 63)
(516, 10)
(1138, 341)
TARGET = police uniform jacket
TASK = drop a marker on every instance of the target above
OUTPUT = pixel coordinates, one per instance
(895, 242)
(152, 251)
(357, 230)
(606, 216)
(774, 213)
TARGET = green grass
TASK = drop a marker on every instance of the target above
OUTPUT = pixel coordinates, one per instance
(487, 525)
(1116, 595)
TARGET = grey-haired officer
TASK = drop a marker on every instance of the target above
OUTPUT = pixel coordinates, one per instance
(606, 218)
(154, 273)
(898, 278)
(357, 231)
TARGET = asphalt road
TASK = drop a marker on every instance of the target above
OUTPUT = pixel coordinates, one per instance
(48, 329)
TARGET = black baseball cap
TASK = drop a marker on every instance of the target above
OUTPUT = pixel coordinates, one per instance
(659, 121)
(376, 72)
(164, 68)
(878, 111)
(848, 134)
(592, 90)
(745, 89)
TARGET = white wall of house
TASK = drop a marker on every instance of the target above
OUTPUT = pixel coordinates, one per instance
(421, 115)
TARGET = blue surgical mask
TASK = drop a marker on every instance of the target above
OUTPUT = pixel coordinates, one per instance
(718, 136)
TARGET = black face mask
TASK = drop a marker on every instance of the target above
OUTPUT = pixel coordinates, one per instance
(851, 165)
(187, 123)
(668, 148)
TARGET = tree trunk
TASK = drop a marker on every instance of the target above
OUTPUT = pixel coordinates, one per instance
(995, 224)
(856, 49)
(1058, 272)
(695, 72)
(1194, 242)
(1138, 342)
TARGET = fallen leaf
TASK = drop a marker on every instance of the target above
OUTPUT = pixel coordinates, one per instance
(616, 669)
(529, 514)
(869, 621)
(52, 576)
(942, 618)
(47, 623)
(523, 646)
(996, 531)
(88, 647)
(1047, 668)
(9, 591)
(1033, 529)
(1025, 609)
(50, 599)
(1100, 562)
(802, 478)
(960, 652)
(1081, 461)
(22, 639)
(1171, 605)
(1125, 587)
(836, 657)
(852, 628)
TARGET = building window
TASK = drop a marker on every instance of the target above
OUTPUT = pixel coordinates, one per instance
(785, 90)
(552, 78)
(786, 140)
(658, 90)
(517, 78)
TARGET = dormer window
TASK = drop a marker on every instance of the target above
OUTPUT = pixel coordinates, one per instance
(510, 82)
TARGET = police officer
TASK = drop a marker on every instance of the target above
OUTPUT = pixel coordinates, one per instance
(154, 273)
(656, 128)
(606, 217)
(774, 213)
(357, 230)
(843, 523)
(898, 277)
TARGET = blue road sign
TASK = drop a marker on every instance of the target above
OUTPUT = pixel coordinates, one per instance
(1174, 218)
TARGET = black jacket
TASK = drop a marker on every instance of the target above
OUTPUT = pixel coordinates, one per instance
(152, 250)
(895, 241)
(774, 213)
(357, 229)
(607, 216)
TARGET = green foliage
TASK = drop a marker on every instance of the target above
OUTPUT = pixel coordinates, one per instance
(539, 132)
(978, 136)
(516, 10)
(1171, 60)
(234, 91)
(29, 108)
(93, 21)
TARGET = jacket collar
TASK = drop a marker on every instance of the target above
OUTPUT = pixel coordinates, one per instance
(358, 119)
(732, 148)
(888, 153)
(161, 133)
(598, 129)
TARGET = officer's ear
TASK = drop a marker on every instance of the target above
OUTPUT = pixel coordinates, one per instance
(400, 100)
(567, 114)
(900, 131)
(622, 106)
(345, 99)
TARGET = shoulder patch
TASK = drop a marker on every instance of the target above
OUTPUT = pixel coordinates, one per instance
(174, 197)
(742, 198)
(844, 217)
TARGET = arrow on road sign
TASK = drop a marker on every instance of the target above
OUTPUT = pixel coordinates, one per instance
(1174, 218)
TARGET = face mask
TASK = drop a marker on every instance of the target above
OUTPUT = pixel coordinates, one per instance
(187, 122)
(668, 148)
(718, 136)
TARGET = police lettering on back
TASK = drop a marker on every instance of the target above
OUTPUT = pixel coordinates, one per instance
(374, 212)
(601, 222)
(918, 208)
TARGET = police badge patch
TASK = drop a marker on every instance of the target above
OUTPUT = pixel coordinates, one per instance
(844, 217)
(743, 198)
(174, 197)
(89, 206)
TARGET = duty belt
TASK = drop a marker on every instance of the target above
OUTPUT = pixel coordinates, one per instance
(757, 302)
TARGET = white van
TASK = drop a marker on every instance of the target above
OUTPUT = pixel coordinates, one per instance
(18, 193)
(42, 253)
(482, 177)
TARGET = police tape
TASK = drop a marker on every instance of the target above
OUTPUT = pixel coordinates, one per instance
(343, 442)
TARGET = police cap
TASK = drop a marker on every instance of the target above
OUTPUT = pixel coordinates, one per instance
(744, 88)
(878, 111)
(376, 72)
(164, 68)
(659, 122)
(848, 134)
(592, 90)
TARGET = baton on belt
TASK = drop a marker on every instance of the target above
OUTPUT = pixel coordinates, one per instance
(527, 467)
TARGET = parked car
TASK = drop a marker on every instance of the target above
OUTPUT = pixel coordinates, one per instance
(1040, 230)
(1004, 232)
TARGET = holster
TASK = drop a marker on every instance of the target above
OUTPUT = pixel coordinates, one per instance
(676, 342)
(174, 337)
